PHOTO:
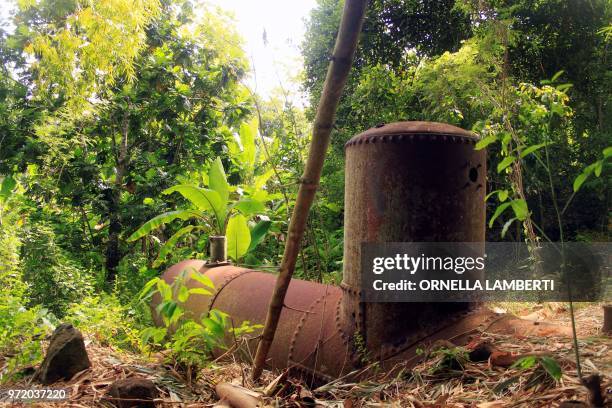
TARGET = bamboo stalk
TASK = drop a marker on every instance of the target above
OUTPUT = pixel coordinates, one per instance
(337, 73)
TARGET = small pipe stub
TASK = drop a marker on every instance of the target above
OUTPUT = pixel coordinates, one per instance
(218, 250)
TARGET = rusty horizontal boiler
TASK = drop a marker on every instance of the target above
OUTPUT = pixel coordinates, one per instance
(405, 182)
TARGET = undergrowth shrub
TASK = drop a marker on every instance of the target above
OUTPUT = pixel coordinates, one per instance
(190, 340)
(133, 273)
(105, 320)
(21, 328)
(53, 279)
(21, 333)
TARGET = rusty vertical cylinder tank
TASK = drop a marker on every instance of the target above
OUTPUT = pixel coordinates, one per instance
(407, 182)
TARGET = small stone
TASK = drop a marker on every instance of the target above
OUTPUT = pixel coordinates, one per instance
(133, 392)
(65, 356)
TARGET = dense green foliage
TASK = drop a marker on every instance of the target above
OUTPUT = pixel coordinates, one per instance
(485, 66)
(127, 138)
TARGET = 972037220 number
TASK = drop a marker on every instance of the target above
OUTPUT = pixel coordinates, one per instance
(33, 394)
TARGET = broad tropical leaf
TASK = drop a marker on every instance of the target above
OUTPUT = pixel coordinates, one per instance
(204, 199)
(218, 181)
(248, 132)
(238, 237)
(161, 219)
(249, 206)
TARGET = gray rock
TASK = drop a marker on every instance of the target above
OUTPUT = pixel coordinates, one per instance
(65, 356)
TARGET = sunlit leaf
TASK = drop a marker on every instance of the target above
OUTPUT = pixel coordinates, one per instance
(146, 290)
(485, 142)
(218, 181)
(505, 163)
(249, 206)
(183, 293)
(204, 199)
(525, 362)
(8, 184)
(248, 132)
(203, 279)
(238, 237)
(532, 149)
(199, 291)
(598, 168)
(161, 219)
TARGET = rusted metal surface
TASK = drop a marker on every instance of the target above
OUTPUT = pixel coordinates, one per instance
(407, 181)
(308, 336)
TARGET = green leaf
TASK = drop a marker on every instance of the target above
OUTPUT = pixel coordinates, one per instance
(217, 180)
(167, 308)
(498, 211)
(525, 362)
(258, 233)
(171, 243)
(8, 184)
(502, 195)
(204, 199)
(156, 333)
(249, 206)
(491, 193)
(485, 142)
(238, 237)
(164, 289)
(532, 149)
(607, 152)
(579, 181)
(505, 163)
(203, 279)
(215, 328)
(161, 219)
(148, 201)
(183, 294)
(551, 366)
(248, 132)
(520, 209)
(506, 226)
(200, 291)
(262, 179)
(598, 168)
(556, 76)
(145, 291)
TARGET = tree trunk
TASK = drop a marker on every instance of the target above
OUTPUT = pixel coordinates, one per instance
(113, 253)
(337, 73)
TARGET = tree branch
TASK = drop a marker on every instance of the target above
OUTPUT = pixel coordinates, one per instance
(337, 73)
